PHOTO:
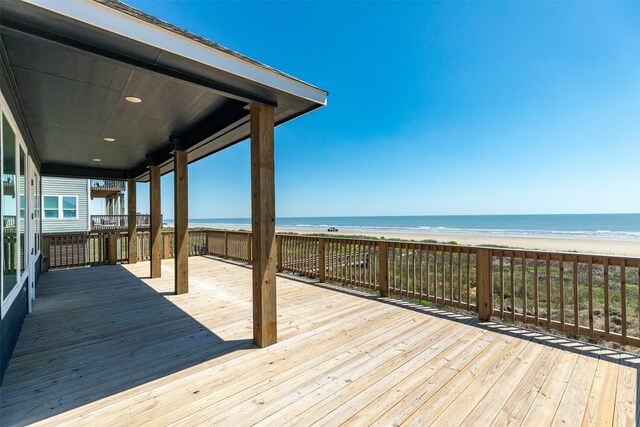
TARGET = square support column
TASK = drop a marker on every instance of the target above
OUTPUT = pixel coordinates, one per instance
(181, 219)
(263, 216)
(155, 233)
(132, 225)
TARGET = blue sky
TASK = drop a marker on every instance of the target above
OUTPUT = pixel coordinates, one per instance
(434, 108)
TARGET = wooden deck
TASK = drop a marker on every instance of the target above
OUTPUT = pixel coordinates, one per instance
(107, 346)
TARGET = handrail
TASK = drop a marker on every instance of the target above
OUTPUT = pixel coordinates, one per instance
(592, 295)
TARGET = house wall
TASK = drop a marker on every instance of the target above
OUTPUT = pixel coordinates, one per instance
(52, 186)
(10, 326)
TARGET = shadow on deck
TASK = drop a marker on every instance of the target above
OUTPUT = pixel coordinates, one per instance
(95, 332)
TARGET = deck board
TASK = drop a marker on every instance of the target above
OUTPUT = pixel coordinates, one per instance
(109, 346)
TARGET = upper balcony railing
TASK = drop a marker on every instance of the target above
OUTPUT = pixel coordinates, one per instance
(107, 187)
(8, 185)
(118, 222)
(9, 224)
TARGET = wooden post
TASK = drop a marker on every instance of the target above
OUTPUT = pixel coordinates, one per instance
(279, 256)
(263, 220)
(226, 245)
(181, 219)
(113, 249)
(131, 221)
(166, 247)
(322, 261)
(249, 248)
(155, 232)
(383, 274)
(46, 253)
(484, 291)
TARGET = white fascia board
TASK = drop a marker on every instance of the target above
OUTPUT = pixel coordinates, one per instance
(111, 20)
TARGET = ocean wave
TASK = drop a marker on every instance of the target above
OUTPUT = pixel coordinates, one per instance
(608, 234)
(559, 227)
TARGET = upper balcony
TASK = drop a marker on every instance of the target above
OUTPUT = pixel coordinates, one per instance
(107, 188)
(119, 222)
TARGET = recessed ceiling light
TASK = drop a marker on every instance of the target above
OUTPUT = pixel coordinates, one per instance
(97, 160)
(133, 99)
(109, 139)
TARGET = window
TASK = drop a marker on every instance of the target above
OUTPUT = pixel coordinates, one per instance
(70, 207)
(60, 207)
(51, 206)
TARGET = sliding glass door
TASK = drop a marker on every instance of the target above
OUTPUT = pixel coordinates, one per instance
(20, 212)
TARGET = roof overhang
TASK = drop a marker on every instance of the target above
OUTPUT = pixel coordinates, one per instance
(70, 65)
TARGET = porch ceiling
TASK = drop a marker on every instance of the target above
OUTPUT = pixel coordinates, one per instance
(70, 76)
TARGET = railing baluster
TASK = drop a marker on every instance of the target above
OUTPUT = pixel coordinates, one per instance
(623, 302)
(468, 279)
(606, 297)
(513, 287)
(548, 279)
(442, 270)
(536, 291)
(562, 302)
(524, 287)
(501, 285)
(459, 257)
(450, 251)
(420, 254)
(576, 306)
(435, 274)
(427, 268)
(590, 294)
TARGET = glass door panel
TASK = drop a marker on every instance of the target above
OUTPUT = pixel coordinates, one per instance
(9, 204)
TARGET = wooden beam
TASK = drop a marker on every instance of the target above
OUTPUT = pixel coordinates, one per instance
(131, 221)
(181, 220)
(263, 225)
(155, 233)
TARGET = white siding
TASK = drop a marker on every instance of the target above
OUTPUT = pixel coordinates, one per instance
(67, 187)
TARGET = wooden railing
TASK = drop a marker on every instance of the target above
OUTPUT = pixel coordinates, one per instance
(82, 249)
(230, 244)
(441, 274)
(118, 222)
(594, 296)
(587, 295)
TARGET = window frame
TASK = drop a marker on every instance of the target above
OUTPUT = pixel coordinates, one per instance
(7, 303)
(61, 208)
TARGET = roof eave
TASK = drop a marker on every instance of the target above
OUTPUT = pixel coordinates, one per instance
(111, 20)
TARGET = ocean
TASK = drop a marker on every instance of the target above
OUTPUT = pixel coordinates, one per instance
(604, 226)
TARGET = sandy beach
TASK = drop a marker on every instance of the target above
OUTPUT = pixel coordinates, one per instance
(582, 245)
